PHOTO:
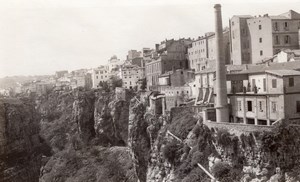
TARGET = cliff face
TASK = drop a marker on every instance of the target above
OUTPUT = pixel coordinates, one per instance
(229, 156)
(83, 114)
(139, 141)
(20, 145)
(96, 136)
(111, 119)
(87, 131)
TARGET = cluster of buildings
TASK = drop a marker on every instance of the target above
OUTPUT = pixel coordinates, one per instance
(249, 71)
(62, 80)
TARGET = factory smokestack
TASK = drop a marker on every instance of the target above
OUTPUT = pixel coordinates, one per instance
(222, 114)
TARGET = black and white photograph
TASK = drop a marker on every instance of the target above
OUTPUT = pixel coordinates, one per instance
(149, 91)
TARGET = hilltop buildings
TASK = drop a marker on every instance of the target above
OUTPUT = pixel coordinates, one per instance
(171, 55)
(203, 50)
(100, 74)
(259, 82)
(131, 74)
(254, 39)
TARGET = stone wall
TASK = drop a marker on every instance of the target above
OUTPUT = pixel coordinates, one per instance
(238, 128)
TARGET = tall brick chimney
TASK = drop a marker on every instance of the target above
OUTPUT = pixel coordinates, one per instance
(222, 114)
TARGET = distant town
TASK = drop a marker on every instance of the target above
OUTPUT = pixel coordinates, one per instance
(262, 58)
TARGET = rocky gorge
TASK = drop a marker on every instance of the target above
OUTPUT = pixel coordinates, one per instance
(98, 135)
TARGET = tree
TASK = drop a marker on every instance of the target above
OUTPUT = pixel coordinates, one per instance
(144, 84)
(172, 152)
(221, 170)
(104, 85)
(115, 82)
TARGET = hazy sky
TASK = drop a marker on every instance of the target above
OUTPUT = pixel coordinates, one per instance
(41, 36)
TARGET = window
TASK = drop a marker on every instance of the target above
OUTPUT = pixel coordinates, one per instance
(249, 105)
(261, 52)
(273, 107)
(232, 34)
(260, 40)
(298, 106)
(260, 106)
(277, 40)
(286, 26)
(259, 27)
(97, 77)
(264, 84)
(240, 105)
(276, 26)
(243, 31)
(232, 23)
(274, 83)
(287, 39)
(291, 82)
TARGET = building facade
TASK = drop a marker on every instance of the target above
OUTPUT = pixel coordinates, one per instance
(240, 40)
(176, 78)
(204, 49)
(271, 96)
(198, 53)
(132, 54)
(254, 39)
(171, 55)
(59, 74)
(100, 74)
(131, 74)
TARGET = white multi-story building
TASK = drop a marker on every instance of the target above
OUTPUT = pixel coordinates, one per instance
(131, 74)
(100, 74)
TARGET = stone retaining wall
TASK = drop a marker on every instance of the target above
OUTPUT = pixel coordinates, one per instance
(238, 128)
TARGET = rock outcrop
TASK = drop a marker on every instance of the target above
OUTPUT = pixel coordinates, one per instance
(139, 141)
(95, 135)
(20, 144)
(111, 119)
(88, 135)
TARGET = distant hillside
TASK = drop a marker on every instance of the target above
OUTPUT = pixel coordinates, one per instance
(12, 81)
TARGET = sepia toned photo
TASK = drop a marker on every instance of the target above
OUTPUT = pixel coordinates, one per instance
(149, 91)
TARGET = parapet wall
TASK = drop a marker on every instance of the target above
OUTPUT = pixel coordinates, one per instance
(238, 128)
